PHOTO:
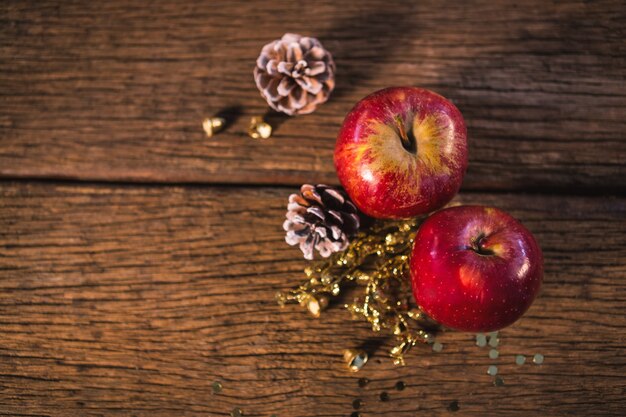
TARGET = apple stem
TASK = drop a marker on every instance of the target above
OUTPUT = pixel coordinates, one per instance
(406, 141)
(477, 246)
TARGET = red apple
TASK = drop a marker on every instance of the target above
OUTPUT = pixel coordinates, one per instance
(401, 152)
(475, 268)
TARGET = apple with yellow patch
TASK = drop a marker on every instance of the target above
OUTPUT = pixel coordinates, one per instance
(475, 268)
(401, 152)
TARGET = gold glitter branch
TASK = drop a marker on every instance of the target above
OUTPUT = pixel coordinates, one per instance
(377, 261)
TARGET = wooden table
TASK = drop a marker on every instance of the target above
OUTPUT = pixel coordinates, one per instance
(138, 258)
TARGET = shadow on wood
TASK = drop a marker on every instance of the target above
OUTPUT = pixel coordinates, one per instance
(345, 41)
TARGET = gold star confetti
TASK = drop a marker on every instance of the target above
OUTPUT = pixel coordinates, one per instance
(493, 339)
(217, 387)
(493, 354)
(453, 406)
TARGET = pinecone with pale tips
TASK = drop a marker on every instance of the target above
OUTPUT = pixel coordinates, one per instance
(295, 74)
(320, 218)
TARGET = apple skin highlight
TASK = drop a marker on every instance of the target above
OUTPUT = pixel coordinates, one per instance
(388, 177)
(475, 268)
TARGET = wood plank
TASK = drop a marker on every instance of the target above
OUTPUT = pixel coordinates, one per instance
(118, 91)
(134, 300)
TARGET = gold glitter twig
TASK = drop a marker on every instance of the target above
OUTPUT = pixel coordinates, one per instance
(376, 260)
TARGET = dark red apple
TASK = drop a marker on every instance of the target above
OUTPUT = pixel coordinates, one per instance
(401, 152)
(475, 268)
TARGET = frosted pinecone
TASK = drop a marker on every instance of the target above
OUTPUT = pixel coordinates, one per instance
(295, 74)
(320, 218)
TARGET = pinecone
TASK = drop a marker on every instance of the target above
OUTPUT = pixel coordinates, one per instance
(320, 217)
(295, 74)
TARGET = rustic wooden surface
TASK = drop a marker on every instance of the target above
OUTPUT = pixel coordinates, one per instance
(132, 299)
(118, 90)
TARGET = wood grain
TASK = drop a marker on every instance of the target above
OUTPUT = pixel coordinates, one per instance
(116, 91)
(133, 300)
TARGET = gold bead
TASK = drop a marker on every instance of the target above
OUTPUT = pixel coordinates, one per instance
(217, 387)
(212, 125)
(326, 278)
(316, 305)
(259, 129)
(355, 359)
